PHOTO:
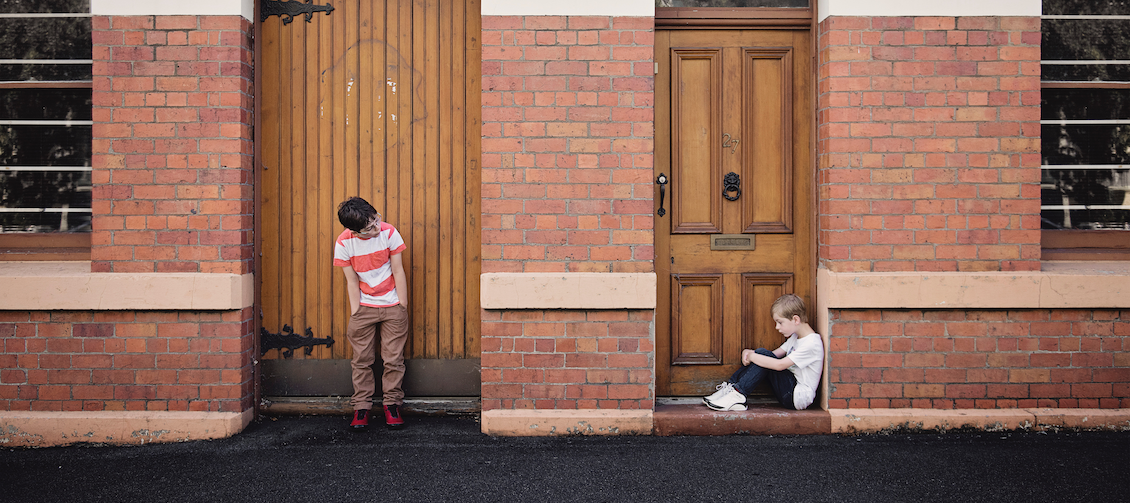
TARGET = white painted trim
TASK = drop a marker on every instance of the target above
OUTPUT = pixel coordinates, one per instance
(245, 8)
(45, 286)
(575, 290)
(950, 8)
(643, 8)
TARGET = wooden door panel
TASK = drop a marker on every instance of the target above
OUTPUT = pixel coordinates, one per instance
(758, 293)
(773, 253)
(696, 108)
(380, 99)
(697, 329)
(766, 152)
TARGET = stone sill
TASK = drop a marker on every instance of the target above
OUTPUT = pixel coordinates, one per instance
(576, 290)
(1060, 285)
(53, 286)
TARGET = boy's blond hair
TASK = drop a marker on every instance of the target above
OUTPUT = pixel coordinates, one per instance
(789, 305)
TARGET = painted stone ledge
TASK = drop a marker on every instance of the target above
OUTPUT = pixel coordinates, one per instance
(579, 290)
(38, 286)
(1060, 285)
(544, 423)
(852, 421)
(45, 429)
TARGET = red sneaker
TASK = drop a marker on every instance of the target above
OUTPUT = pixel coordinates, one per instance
(360, 420)
(392, 416)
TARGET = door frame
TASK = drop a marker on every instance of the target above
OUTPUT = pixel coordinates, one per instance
(753, 18)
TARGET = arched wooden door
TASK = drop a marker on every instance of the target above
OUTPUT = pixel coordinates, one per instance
(378, 99)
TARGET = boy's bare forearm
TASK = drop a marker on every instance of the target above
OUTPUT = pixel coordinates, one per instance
(401, 287)
(352, 289)
(750, 356)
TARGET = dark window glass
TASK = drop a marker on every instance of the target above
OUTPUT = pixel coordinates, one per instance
(45, 104)
(1092, 199)
(45, 38)
(1085, 144)
(44, 6)
(1096, 193)
(23, 145)
(1086, 7)
(45, 132)
(1093, 40)
(53, 72)
(731, 3)
(1083, 73)
(44, 201)
(1085, 130)
(1085, 104)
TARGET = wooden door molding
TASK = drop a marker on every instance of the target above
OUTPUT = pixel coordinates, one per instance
(695, 342)
(730, 18)
(759, 290)
(694, 143)
(767, 157)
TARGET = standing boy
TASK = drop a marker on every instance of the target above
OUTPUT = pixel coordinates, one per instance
(793, 369)
(369, 253)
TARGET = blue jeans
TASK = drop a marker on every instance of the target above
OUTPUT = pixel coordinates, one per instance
(748, 377)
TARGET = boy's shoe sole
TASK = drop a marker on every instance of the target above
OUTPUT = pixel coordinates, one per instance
(736, 406)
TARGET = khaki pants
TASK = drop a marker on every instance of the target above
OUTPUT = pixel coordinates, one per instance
(361, 334)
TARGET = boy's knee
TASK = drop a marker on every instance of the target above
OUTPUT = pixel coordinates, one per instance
(764, 352)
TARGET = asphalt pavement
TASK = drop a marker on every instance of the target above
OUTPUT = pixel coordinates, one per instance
(315, 459)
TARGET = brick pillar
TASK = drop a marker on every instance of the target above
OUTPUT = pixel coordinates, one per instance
(172, 192)
(567, 187)
(929, 150)
(172, 163)
(568, 128)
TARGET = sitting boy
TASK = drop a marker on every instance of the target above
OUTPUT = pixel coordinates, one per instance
(802, 355)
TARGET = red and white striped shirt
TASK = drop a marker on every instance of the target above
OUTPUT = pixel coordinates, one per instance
(371, 259)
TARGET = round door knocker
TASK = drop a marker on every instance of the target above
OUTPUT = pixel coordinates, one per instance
(731, 183)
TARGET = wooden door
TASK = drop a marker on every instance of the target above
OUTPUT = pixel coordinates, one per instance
(733, 129)
(378, 99)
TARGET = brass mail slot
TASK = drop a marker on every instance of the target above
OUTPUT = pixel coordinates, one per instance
(731, 242)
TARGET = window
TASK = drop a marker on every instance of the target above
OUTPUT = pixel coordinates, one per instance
(45, 129)
(1085, 129)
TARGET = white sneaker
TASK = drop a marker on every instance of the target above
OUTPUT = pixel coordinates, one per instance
(732, 400)
(723, 388)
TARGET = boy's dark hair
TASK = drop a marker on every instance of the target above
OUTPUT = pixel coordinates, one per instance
(789, 305)
(355, 213)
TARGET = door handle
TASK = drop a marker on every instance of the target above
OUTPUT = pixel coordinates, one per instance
(662, 181)
(731, 183)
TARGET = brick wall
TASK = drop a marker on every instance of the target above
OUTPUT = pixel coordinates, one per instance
(172, 192)
(568, 127)
(929, 148)
(980, 359)
(567, 144)
(567, 360)
(125, 360)
(172, 144)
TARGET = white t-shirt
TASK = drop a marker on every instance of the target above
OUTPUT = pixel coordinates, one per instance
(807, 354)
